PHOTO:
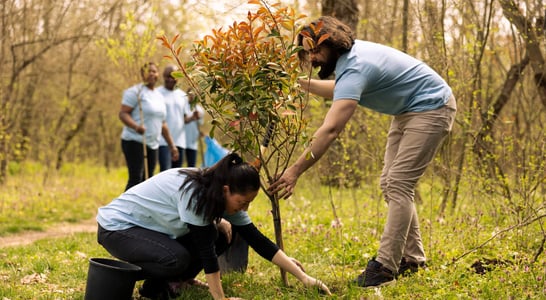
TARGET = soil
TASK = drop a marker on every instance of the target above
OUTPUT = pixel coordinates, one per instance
(59, 230)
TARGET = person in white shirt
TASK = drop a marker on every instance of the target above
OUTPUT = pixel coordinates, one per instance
(193, 132)
(176, 223)
(143, 114)
(176, 102)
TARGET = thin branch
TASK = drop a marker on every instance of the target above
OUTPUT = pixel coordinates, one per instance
(494, 236)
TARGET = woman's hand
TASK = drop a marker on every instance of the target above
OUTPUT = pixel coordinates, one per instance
(309, 281)
(225, 227)
(298, 263)
(140, 129)
(294, 267)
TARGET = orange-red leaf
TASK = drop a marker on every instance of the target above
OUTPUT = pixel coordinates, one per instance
(323, 38)
(308, 43)
(161, 38)
(319, 26)
(306, 34)
(258, 30)
(175, 38)
(288, 113)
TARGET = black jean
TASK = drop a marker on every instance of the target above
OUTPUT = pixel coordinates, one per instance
(159, 256)
(191, 157)
(134, 157)
(165, 158)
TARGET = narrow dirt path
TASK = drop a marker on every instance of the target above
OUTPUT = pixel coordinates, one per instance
(59, 230)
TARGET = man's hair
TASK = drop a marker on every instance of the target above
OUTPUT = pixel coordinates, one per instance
(169, 69)
(340, 36)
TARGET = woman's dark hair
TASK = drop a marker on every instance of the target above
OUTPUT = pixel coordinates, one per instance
(206, 185)
(340, 40)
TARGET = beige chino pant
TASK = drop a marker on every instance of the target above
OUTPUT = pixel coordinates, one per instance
(412, 142)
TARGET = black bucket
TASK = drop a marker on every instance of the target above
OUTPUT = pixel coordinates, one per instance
(235, 258)
(109, 279)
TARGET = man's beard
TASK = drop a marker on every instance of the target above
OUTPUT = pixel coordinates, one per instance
(328, 68)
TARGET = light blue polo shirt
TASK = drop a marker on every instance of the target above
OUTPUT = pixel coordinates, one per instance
(154, 112)
(388, 80)
(158, 204)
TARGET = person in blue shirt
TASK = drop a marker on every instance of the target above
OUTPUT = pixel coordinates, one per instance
(391, 82)
(176, 223)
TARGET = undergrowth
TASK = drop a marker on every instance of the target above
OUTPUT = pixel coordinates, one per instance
(462, 265)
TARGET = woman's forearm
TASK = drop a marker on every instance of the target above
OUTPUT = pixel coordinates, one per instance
(127, 120)
(215, 285)
(285, 263)
(295, 268)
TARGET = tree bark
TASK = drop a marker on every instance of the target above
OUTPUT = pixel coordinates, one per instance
(530, 33)
(344, 10)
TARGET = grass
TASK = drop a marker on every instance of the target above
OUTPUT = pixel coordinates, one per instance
(34, 199)
(57, 268)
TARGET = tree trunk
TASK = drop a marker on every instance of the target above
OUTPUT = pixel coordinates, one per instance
(276, 211)
(344, 10)
(405, 26)
(533, 36)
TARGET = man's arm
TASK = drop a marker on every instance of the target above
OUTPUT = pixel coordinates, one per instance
(322, 88)
(334, 122)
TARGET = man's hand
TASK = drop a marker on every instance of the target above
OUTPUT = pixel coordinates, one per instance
(284, 185)
(175, 155)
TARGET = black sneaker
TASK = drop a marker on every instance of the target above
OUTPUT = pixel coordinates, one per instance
(375, 275)
(408, 268)
(155, 289)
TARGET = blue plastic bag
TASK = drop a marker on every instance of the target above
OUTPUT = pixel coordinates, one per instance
(214, 152)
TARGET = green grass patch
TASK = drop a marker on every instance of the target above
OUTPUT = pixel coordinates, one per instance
(57, 268)
(34, 199)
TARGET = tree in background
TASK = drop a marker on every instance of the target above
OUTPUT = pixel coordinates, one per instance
(59, 94)
(134, 50)
(48, 85)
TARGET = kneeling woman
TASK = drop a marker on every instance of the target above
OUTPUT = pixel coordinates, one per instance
(168, 225)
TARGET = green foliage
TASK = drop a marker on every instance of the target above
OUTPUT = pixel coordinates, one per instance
(356, 156)
(134, 48)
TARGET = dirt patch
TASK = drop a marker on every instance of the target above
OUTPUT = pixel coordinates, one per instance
(59, 230)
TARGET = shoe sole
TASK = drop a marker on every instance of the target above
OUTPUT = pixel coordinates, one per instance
(388, 283)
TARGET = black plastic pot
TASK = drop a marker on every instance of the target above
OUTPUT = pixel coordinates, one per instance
(109, 279)
(235, 258)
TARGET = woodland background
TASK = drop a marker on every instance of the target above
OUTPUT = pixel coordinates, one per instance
(60, 94)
